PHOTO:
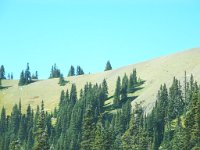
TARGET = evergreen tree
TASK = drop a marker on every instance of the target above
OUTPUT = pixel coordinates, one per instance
(99, 136)
(27, 75)
(124, 88)
(88, 131)
(79, 71)
(105, 89)
(11, 77)
(73, 95)
(62, 81)
(71, 71)
(117, 93)
(108, 66)
(22, 79)
(2, 72)
(55, 72)
(41, 136)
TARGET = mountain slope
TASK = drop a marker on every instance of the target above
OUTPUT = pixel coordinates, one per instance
(155, 72)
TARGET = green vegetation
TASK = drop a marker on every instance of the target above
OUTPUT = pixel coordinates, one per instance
(97, 120)
(55, 72)
(25, 77)
(108, 66)
(79, 71)
(2, 72)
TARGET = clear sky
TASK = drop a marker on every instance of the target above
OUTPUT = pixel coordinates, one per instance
(90, 32)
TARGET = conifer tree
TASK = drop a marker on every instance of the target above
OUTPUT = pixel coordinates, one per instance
(73, 94)
(79, 71)
(99, 136)
(41, 135)
(22, 79)
(2, 72)
(88, 131)
(71, 71)
(117, 93)
(61, 80)
(27, 75)
(124, 87)
(105, 89)
(108, 66)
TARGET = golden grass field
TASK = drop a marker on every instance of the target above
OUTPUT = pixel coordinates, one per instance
(154, 72)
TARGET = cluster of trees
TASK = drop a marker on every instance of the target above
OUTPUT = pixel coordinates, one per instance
(25, 76)
(86, 123)
(3, 74)
(79, 71)
(55, 72)
(128, 85)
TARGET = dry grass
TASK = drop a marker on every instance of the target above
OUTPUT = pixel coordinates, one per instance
(154, 72)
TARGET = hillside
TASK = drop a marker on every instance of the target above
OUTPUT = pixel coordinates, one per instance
(154, 72)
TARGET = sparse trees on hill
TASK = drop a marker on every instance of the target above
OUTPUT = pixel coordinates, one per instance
(108, 66)
(25, 77)
(35, 76)
(79, 71)
(55, 72)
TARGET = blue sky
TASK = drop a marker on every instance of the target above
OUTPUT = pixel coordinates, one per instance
(88, 33)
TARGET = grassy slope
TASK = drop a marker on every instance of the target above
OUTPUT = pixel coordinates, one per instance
(155, 72)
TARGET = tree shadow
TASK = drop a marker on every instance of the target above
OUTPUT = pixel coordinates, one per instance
(111, 107)
(4, 87)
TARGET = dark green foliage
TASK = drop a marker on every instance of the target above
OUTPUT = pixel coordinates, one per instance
(108, 66)
(62, 81)
(22, 79)
(55, 72)
(25, 77)
(105, 89)
(88, 131)
(132, 81)
(79, 71)
(86, 123)
(71, 71)
(117, 93)
(0, 84)
(2, 72)
(124, 88)
(35, 76)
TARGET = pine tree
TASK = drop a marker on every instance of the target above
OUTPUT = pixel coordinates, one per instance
(117, 93)
(3, 124)
(124, 88)
(62, 81)
(88, 131)
(11, 76)
(71, 71)
(55, 72)
(73, 95)
(41, 135)
(79, 71)
(2, 72)
(22, 80)
(105, 89)
(108, 66)
(27, 75)
(99, 136)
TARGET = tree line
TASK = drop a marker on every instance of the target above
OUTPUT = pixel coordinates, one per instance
(86, 123)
